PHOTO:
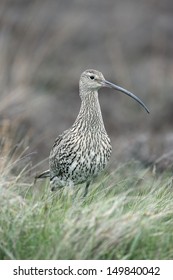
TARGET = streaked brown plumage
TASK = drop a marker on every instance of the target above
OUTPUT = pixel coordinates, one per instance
(82, 152)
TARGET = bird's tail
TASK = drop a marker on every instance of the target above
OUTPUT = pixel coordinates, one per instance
(43, 175)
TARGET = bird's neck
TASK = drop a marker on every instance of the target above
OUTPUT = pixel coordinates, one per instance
(90, 116)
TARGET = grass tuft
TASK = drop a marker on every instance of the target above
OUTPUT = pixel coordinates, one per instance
(127, 214)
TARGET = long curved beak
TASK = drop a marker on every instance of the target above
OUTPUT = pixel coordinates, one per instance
(111, 85)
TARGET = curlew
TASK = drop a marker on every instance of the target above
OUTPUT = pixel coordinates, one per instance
(83, 151)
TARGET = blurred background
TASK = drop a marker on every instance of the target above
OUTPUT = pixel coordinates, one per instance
(44, 47)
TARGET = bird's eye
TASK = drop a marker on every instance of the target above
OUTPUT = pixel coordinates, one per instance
(92, 77)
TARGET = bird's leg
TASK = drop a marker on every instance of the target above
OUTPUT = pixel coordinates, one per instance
(86, 188)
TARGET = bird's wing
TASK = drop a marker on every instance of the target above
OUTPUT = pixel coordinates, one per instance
(46, 173)
(59, 139)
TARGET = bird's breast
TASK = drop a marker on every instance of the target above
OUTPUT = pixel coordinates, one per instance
(81, 158)
(91, 154)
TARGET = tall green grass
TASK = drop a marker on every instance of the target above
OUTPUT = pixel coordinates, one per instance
(127, 214)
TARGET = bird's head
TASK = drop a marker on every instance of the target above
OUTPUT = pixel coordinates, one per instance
(92, 80)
